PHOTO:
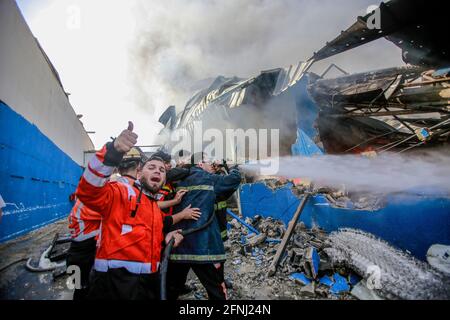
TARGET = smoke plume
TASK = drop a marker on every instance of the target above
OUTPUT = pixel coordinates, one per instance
(178, 43)
(419, 173)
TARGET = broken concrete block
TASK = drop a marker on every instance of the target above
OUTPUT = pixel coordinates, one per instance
(325, 265)
(309, 290)
(300, 278)
(311, 262)
(340, 284)
(296, 257)
(322, 291)
(256, 240)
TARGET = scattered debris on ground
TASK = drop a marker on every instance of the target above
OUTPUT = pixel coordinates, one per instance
(300, 272)
(317, 265)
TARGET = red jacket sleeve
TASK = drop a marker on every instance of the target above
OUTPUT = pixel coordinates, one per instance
(94, 189)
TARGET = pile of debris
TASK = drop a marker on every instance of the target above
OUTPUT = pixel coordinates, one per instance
(304, 271)
(317, 265)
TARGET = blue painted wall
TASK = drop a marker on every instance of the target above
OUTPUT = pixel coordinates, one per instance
(36, 177)
(408, 221)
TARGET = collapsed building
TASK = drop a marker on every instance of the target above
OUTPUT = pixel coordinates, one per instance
(398, 110)
(343, 243)
(351, 113)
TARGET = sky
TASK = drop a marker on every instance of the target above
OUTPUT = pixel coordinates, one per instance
(126, 60)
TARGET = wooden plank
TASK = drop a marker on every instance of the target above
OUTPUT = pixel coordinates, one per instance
(287, 236)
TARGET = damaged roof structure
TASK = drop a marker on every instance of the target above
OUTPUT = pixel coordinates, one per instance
(409, 100)
(387, 109)
(401, 109)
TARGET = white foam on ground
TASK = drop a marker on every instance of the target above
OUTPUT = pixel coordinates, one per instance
(401, 277)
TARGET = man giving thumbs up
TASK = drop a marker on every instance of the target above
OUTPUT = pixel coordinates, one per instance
(131, 236)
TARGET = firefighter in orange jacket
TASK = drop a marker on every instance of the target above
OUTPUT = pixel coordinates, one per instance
(132, 232)
(84, 225)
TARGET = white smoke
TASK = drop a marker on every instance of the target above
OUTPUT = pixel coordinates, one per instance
(130, 59)
(385, 173)
(179, 43)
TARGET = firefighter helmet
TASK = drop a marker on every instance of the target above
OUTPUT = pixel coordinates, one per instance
(132, 158)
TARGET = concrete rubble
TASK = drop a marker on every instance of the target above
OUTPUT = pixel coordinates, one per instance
(300, 271)
(317, 265)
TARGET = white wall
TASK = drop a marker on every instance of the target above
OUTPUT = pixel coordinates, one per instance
(29, 86)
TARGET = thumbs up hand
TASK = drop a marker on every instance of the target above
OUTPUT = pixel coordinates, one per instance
(126, 140)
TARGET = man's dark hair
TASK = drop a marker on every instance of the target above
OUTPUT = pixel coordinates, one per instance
(197, 157)
(162, 155)
(155, 157)
(125, 166)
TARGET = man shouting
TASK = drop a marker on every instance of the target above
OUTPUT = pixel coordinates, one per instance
(131, 235)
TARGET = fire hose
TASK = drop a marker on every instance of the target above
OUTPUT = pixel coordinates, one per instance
(168, 250)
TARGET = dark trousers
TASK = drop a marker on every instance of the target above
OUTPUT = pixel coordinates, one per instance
(120, 284)
(82, 254)
(211, 276)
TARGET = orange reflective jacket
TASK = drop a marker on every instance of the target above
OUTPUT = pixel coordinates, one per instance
(84, 223)
(133, 243)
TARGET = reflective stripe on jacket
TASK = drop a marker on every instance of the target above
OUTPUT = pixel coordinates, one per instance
(205, 246)
(131, 242)
(84, 223)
